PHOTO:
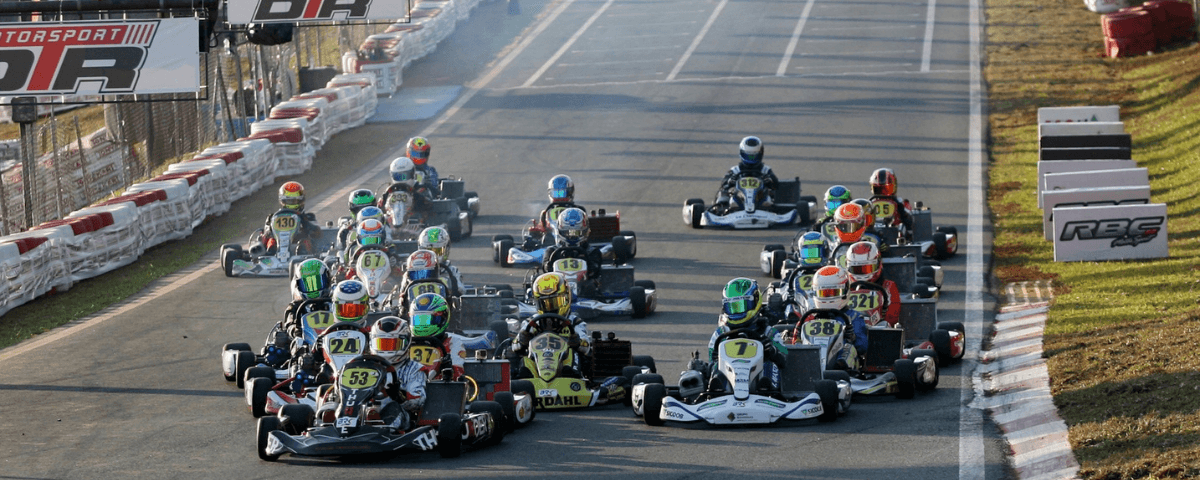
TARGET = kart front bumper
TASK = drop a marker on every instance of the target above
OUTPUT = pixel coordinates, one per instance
(327, 442)
(727, 410)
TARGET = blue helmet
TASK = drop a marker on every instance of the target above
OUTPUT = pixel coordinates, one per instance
(561, 189)
(371, 232)
(751, 151)
(572, 227)
(835, 197)
(810, 249)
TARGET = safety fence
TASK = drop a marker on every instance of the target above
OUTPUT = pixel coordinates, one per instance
(231, 156)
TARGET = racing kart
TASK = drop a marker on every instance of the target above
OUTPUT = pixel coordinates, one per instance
(613, 293)
(355, 426)
(747, 207)
(940, 242)
(272, 255)
(616, 245)
(341, 342)
(455, 210)
(734, 391)
(547, 372)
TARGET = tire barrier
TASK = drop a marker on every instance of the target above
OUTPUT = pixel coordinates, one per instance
(1145, 28)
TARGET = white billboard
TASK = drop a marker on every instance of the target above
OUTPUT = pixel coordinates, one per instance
(1123, 177)
(1107, 113)
(1059, 166)
(1077, 129)
(1089, 197)
(299, 11)
(1110, 233)
(100, 57)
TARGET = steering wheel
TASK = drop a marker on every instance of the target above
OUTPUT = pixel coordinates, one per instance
(552, 322)
(735, 333)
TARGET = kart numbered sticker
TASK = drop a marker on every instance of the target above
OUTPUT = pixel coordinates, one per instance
(740, 348)
(821, 327)
(345, 342)
(548, 342)
(359, 378)
(547, 393)
(425, 355)
(883, 211)
(864, 301)
(284, 223)
(319, 320)
(570, 266)
(749, 183)
(804, 282)
(373, 260)
(426, 287)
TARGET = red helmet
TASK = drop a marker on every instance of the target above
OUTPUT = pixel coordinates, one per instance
(851, 221)
(418, 150)
(883, 182)
(291, 196)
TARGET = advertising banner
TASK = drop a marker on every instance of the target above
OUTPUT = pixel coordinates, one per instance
(1089, 197)
(1059, 166)
(299, 11)
(1086, 128)
(1107, 113)
(104, 57)
(1110, 233)
(1125, 177)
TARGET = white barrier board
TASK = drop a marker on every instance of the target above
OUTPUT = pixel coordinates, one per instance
(1089, 197)
(1080, 129)
(300, 11)
(1107, 113)
(1110, 233)
(1123, 177)
(1061, 166)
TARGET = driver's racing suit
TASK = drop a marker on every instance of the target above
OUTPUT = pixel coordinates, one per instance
(758, 329)
(405, 387)
(306, 230)
(770, 181)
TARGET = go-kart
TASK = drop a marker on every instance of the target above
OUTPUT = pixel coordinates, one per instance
(886, 368)
(341, 342)
(734, 391)
(455, 210)
(613, 293)
(747, 207)
(488, 378)
(940, 242)
(271, 255)
(355, 426)
(616, 245)
(548, 371)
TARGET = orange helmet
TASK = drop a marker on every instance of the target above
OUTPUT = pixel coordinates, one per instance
(883, 182)
(418, 150)
(851, 222)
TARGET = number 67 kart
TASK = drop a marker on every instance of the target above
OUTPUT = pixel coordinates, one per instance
(738, 393)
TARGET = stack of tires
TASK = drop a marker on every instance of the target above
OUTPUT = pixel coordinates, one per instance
(1173, 21)
(1144, 28)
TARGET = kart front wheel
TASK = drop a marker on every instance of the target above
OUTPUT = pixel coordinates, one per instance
(777, 258)
(632, 242)
(502, 248)
(256, 393)
(449, 435)
(242, 362)
(266, 425)
(296, 417)
(941, 344)
(924, 382)
(644, 361)
(652, 401)
(694, 208)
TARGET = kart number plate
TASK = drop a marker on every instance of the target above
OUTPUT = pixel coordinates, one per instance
(570, 266)
(425, 355)
(284, 223)
(373, 260)
(548, 393)
(740, 348)
(883, 211)
(864, 301)
(822, 328)
(347, 422)
(749, 183)
(804, 282)
(359, 378)
(318, 320)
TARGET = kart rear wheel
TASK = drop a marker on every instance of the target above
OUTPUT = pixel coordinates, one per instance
(502, 248)
(949, 232)
(242, 362)
(906, 378)
(499, 424)
(927, 271)
(266, 425)
(449, 435)
(632, 242)
(240, 347)
(620, 250)
(941, 345)
(922, 289)
(644, 361)
(227, 257)
(921, 384)
(646, 284)
(508, 409)
(940, 245)
(777, 258)
(652, 401)
(637, 297)
(647, 378)
(296, 418)
(256, 393)
(696, 212)
(828, 391)
(837, 375)
(952, 326)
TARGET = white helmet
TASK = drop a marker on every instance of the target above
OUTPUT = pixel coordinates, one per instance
(862, 260)
(390, 339)
(436, 240)
(403, 171)
(831, 287)
(350, 301)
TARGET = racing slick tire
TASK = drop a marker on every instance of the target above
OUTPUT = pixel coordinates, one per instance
(525, 387)
(296, 418)
(646, 378)
(229, 253)
(906, 378)
(937, 373)
(941, 345)
(637, 298)
(954, 327)
(837, 375)
(652, 401)
(500, 427)
(646, 284)
(502, 247)
(256, 394)
(777, 258)
(644, 361)
(632, 242)
(242, 362)
(828, 391)
(696, 212)
(620, 250)
(922, 289)
(240, 347)
(449, 435)
(948, 232)
(940, 245)
(496, 247)
(266, 425)
(508, 408)
(802, 209)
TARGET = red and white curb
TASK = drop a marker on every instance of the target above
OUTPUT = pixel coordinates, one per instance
(1017, 385)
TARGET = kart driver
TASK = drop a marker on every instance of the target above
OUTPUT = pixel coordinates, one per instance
(751, 152)
(437, 240)
(869, 288)
(404, 179)
(405, 383)
(561, 191)
(552, 296)
(311, 290)
(853, 226)
(291, 198)
(430, 316)
(741, 308)
(831, 287)
(418, 152)
(835, 197)
(883, 196)
(421, 277)
(572, 242)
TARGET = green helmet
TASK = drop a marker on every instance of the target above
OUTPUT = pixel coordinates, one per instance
(437, 240)
(741, 302)
(835, 197)
(313, 279)
(430, 315)
(361, 198)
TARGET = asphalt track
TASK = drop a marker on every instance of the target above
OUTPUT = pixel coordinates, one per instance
(642, 103)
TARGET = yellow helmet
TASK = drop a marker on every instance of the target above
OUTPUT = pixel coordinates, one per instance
(552, 294)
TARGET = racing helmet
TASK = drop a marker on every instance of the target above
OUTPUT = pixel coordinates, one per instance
(402, 171)
(810, 249)
(741, 302)
(368, 213)
(851, 221)
(360, 199)
(418, 150)
(751, 150)
(430, 315)
(572, 227)
(350, 301)
(552, 294)
(390, 338)
(313, 280)
(883, 182)
(371, 232)
(835, 197)
(436, 240)
(831, 287)
(561, 189)
(421, 265)
(291, 196)
(868, 209)
(862, 260)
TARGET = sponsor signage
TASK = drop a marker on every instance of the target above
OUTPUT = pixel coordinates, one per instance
(1086, 128)
(1107, 113)
(1060, 166)
(1125, 177)
(1089, 197)
(107, 57)
(300, 11)
(1110, 233)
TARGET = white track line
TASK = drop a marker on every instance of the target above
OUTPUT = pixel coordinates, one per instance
(696, 41)
(567, 46)
(928, 51)
(970, 420)
(791, 48)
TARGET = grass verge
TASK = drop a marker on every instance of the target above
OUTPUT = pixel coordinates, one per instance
(1121, 336)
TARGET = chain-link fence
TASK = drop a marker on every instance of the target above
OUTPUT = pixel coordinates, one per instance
(97, 150)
